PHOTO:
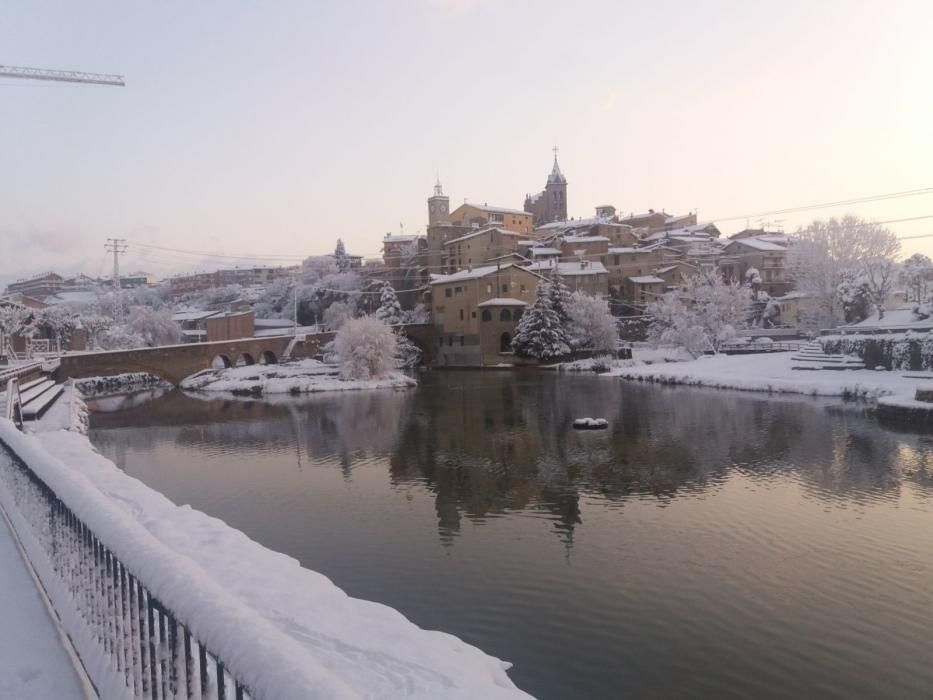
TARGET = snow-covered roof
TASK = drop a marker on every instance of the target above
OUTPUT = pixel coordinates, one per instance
(570, 223)
(503, 301)
(569, 269)
(400, 238)
(667, 268)
(543, 251)
(270, 332)
(757, 244)
(195, 333)
(497, 210)
(473, 274)
(193, 315)
(273, 323)
(646, 279)
(482, 231)
(585, 239)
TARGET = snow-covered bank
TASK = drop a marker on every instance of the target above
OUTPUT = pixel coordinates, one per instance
(772, 372)
(286, 631)
(118, 384)
(642, 354)
(300, 377)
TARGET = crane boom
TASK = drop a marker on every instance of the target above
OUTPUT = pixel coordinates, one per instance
(62, 76)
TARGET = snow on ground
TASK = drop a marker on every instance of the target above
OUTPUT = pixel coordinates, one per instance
(302, 376)
(642, 354)
(772, 372)
(33, 663)
(286, 631)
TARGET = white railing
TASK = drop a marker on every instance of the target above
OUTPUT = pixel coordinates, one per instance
(14, 403)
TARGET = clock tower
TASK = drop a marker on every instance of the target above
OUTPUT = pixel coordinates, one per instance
(438, 205)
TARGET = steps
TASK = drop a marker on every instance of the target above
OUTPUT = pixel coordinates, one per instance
(811, 356)
(37, 396)
(39, 405)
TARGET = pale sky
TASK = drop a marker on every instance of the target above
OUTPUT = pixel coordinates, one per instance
(274, 127)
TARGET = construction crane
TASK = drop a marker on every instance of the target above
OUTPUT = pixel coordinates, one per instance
(60, 76)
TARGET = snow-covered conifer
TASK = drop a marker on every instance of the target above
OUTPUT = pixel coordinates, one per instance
(540, 333)
(389, 311)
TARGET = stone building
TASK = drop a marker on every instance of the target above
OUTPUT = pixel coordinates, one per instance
(551, 203)
(457, 314)
(478, 247)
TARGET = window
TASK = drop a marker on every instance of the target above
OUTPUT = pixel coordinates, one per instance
(517, 315)
(450, 341)
(461, 341)
(505, 287)
(448, 292)
(505, 315)
(487, 315)
(458, 291)
(615, 259)
(473, 315)
(488, 289)
(461, 314)
(440, 342)
(523, 289)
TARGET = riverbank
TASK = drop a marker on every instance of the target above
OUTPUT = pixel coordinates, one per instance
(286, 631)
(299, 377)
(773, 373)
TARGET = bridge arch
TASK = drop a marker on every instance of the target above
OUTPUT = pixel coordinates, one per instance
(245, 359)
(268, 358)
(221, 361)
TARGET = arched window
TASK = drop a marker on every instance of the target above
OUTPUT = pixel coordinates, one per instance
(505, 315)
(505, 343)
(487, 315)
(517, 315)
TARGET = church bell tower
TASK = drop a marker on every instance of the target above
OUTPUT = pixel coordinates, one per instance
(438, 205)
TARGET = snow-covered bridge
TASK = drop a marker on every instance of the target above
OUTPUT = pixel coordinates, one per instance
(175, 362)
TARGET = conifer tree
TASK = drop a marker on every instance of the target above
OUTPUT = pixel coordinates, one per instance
(390, 310)
(560, 298)
(340, 257)
(540, 333)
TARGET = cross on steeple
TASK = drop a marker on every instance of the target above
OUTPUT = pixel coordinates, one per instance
(555, 149)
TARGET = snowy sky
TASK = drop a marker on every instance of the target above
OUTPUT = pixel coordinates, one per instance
(274, 127)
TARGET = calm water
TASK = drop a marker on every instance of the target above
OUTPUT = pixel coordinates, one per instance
(709, 544)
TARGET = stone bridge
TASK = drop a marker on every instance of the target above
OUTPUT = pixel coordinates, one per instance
(175, 362)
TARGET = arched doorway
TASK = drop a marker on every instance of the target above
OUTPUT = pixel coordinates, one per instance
(268, 358)
(244, 360)
(221, 362)
(505, 343)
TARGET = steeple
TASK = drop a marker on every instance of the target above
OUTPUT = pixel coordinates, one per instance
(556, 177)
(438, 204)
(438, 190)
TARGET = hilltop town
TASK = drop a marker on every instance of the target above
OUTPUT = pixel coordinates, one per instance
(471, 275)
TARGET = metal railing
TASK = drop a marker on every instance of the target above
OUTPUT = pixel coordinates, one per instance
(755, 348)
(157, 655)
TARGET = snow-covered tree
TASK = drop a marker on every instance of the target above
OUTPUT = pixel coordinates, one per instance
(13, 318)
(560, 297)
(407, 354)
(154, 327)
(389, 311)
(826, 253)
(701, 315)
(366, 348)
(540, 333)
(57, 324)
(337, 314)
(340, 257)
(917, 270)
(96, 325)
(592, 325)
(120, 338)
(855, 297)
(419, 314)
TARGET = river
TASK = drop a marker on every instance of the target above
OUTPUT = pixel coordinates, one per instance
(709, 544)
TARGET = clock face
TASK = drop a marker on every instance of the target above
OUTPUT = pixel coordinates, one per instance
(433, 206)
(443, 208)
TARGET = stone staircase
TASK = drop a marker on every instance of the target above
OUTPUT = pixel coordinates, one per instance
(36, 396)
(811, 356)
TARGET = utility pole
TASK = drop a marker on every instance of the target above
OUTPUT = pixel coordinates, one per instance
(117, 246)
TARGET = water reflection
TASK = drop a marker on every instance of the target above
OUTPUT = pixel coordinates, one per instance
(721, 544)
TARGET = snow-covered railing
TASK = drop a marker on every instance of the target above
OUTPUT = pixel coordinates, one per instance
(19, 372)
(14, 403)
(140, 638)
